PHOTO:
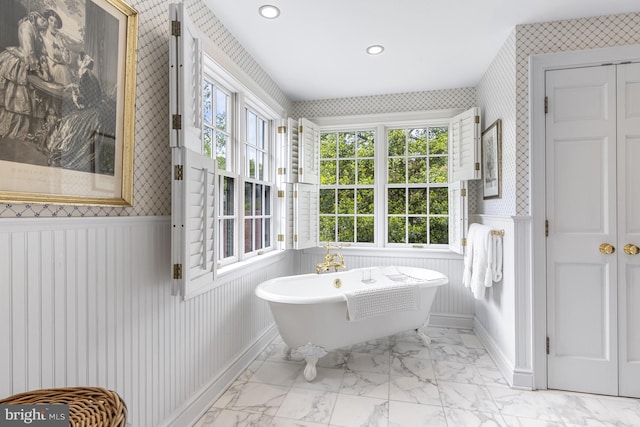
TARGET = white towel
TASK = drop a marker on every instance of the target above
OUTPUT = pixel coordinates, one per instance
(481, 265)
(372, 302)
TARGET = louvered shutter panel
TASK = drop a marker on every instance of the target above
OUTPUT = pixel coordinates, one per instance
(185, 83)
(288, 143)
(464, 146)
(309, 152)
(458, 218)
(305, 223)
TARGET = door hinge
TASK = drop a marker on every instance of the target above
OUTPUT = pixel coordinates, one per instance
(463, 241)
(546, 104)
(463, 192)
(282, 129)
(547, 345)
(477, 166)
(477, 119)
(280, 237)
(175, 28)
(177, 121)
(178, 172)
(177, 271)
(280, 193)
(546, 228)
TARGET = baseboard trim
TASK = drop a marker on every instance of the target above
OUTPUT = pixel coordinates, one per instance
(517, 378)
(191, 411)
(460, 321)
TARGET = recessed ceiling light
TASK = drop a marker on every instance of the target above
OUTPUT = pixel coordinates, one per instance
(268, 11)
(375, 49)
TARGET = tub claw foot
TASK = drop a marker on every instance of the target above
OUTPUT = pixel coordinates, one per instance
(286, 354)
(424, 338)
(311, 354)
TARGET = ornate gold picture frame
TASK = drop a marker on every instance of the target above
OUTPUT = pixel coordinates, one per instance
(67, 101)
(492, 161)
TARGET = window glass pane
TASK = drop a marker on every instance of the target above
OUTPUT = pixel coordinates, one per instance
(222, 142)
(346, 203)
(258, 199)
(347, 172)
(207, 103)
(328, 172)
(267, 200)
(327, 229)
(439, 230)
(345, 229)
(347, 144)
(417, 230)
(417, 142)
(327, 201)
(267, 232)
(248, 235)
(438, 140)
(328, 145)
(418, 201)
(222, 102)
(439, 201)
(228, 238)
(417, 170)
(397, 142)
(260, 161)
(366, 169)
(257, 234)
(396, 201)
(438, 170)
(228, 207)
(366, 146)
(397, 171)
(396, 229)
(365, 229)
(248, 199)
(207, 138)
(251, 162)
(251, 127)
(365, 201)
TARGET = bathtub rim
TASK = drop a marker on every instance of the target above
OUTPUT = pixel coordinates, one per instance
(338, 297)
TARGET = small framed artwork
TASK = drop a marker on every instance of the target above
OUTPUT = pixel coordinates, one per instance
(67, 101)
(491, 143)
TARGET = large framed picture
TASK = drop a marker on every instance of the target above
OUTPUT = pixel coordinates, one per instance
(67, 101)
(491, 142)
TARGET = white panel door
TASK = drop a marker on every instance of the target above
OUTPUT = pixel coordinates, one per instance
(629, 227)
(581, 210)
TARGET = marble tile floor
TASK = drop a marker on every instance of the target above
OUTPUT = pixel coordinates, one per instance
(397, 382)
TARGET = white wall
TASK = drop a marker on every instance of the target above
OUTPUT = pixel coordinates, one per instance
(87, 302)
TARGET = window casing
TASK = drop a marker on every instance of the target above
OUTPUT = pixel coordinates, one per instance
(385, 185)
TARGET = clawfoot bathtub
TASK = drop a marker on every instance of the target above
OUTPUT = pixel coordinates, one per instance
(316, 313)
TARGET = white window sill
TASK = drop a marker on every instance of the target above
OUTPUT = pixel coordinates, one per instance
(432, 253)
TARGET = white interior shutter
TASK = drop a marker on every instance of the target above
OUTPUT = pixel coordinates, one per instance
(458, 216)
(305, 223)
(185, 83)
(464, 146)
(285, 220)
(289, 155)
(309, 152)
(193, 218)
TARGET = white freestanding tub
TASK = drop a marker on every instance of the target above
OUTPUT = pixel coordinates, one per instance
(311, 313)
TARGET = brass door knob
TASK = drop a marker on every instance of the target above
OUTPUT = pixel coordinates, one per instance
(607, 249)
(631, 249)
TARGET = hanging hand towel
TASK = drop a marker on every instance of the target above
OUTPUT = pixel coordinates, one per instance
(478, 260)
(365, 303)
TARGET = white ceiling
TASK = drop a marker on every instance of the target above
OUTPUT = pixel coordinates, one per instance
(316, 48)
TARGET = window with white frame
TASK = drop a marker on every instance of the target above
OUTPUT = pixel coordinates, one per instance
(410, 164)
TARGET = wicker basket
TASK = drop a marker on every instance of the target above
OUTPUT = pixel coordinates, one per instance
(88, 406)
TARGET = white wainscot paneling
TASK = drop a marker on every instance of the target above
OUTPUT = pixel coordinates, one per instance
(86, 302)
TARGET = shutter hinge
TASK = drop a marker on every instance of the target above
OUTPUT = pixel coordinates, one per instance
(477, 119)
(548, 345)
(463, 192)
(282, 171)
(546, 104)
(300, 171)
(546, 228)
(463, 241)
(295, 237)
(477, 166)
(177, 271)
(282, 129)
(280, 193)
(300, 129)
(175, 28)
(177, 121)
(295, 194)
(178, 172)
(280, 237)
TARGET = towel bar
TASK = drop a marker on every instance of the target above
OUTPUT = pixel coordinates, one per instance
(497, 232)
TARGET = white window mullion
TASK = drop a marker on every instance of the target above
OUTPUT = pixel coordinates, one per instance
(381, 158)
